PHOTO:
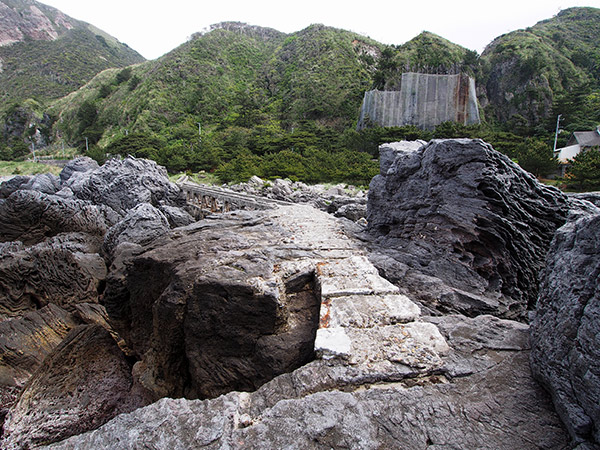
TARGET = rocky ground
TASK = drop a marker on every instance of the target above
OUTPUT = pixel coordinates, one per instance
(340, 200)
(292, 328)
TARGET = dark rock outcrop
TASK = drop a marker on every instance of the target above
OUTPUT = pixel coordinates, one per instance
(212, 286)
(63, 270)
(75, 168)
(140, 225)
(52, 273)
(84, 383)
(13, 184)
(24, 343)
(123, 184)
(565, 333)
(463, 227)
(31, 216)
(46, 183)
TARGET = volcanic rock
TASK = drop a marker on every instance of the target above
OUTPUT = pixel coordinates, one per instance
(492, 403)
(24, 343)
(462, 228)
(140, 225)
(84, 383)
(231, 326)
(31, 216)
(46, 183)
(64, 270)
(123, 184)
(75, 168)
(565, 333)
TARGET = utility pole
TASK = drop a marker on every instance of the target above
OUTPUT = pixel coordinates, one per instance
(556, 134)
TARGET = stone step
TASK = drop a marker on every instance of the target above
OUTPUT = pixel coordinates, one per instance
(367, 311)
(351, 276)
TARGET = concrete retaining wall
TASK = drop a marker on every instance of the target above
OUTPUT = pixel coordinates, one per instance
(423, 100)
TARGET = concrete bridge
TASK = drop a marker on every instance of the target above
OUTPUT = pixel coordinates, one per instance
(203, 200)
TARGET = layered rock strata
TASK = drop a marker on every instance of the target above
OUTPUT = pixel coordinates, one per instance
(241, 295)
(383, 374)
(565, 333)
(462, 227)
(288, 304)
(57, 235)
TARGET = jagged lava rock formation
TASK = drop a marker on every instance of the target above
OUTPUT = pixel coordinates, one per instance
(290, 305)
(565, 334)
(56, 238)
(462, 227)
(228, 289)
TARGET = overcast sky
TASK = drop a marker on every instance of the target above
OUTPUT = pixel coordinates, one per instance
(154, 28)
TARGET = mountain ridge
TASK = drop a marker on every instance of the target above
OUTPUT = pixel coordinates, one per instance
(236, 94)
(45, 54)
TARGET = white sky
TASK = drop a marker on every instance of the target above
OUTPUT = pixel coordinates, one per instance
(154, 28)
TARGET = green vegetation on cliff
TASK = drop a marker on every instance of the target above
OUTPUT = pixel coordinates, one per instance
(527, 71)
(52, 54)
(241, 100)
(426, 53)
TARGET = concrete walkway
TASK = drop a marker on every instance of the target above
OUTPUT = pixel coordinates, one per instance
(364, 321)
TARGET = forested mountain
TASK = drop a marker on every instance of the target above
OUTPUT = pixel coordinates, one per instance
(527, 71)
(252, 91)
(242, 99)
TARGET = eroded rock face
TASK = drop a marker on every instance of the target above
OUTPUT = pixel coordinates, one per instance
(31, 216)
(64, 270)
(232, 323)
(140, 225)
(24, 343)
(52, 274)
(463, 227)
(84, 383)
(286, 303)
(565, 333)
(122, 185)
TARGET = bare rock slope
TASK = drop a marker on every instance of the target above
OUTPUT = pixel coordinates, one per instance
(462, 227)
(278, 329)
(565, 334)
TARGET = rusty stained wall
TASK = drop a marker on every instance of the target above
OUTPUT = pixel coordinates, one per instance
(423, 100)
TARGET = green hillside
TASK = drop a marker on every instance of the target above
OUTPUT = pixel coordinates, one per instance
(55, 55)
(242, 100)
(426, 53)
(255, 92)
(527, 71)
(46, 70)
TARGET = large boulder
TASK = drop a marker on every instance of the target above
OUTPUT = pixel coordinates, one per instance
(82, 384)
(75, 168)
(462, 227)
(46, 183)
(565, 333)
(31, 216)
(203, 311)
(24, 343)
(140, 225)
(123, 184)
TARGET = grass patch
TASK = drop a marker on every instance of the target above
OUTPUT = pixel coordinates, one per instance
(8, 168)
(200, 178)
